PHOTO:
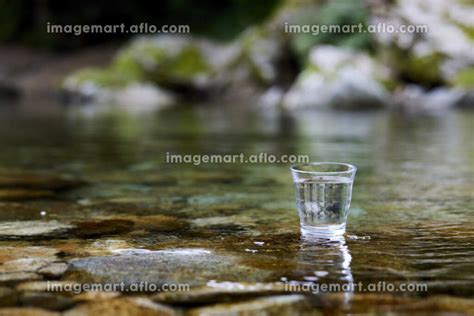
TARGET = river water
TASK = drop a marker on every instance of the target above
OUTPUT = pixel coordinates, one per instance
(97, 185)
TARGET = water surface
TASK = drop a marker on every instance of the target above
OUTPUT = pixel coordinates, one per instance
(411, 217)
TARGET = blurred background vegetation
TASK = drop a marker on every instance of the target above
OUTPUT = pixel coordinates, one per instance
(24, 21)
(239, 49)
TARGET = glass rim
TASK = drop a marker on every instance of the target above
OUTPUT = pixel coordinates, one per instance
(350, 168)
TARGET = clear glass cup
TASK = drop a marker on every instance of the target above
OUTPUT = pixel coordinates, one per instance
(323, 196)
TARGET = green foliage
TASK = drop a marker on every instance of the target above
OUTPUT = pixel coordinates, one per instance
(187, 64)
(25, 21)
(108, 77)
(143, 61)
(334, 13)
(465, 78)
(422, 70)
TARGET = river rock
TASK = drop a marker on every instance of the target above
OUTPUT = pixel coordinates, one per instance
(193, 266)
(53, 270)
(89, 229)
(25, 264)
(23, 195)
(38, 182)
(220, 292)
(25, 229)
(8, 92)
(26, 311)
(273, 305)
(339, 78)
(13, 277)
(149, 72)
(261, 58)
(121, 306)
(426, 58)
(8, 296)
(413, 99)
(50, 301)
(466, 101)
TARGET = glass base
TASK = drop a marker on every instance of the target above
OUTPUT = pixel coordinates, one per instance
(326, 231)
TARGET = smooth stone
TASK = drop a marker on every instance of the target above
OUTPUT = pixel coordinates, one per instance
(26, 311)
(121, 306)
(18, 276)
(18, 229)
(7, 296)
(50, 301)
(53, 270)
(280, 305)
(23, 194)
(25, 264)
(403, 305)
(159, 223)
(10, 253)
(426, 59)
(39, 182)
(413, 99)
(193, 266)
(466, 101)
(8, 91)
(441, 304)
(90, 229)
(41, 286)
(339, 78)
(96, 296)
(220, 292)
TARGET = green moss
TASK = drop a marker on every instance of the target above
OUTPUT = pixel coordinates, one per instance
(163, 67)
(465, 78)
(248, 40)
(189, 62)
(422, 70)
(101, 77)
(127, 65)
(333, 13)
(389, 84)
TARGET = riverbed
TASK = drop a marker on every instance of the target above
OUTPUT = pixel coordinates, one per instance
(88, 196)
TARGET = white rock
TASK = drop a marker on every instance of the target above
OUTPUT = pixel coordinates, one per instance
(338, 78)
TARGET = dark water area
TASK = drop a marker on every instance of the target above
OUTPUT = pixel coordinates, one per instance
(97, 185)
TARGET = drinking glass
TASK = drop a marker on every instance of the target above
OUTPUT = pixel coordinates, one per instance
(323, 196)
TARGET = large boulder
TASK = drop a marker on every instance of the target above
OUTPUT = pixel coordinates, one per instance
(439, 55)
(154, 70)
(339, 78)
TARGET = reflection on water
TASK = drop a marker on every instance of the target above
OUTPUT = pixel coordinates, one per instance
(412, 194)
(324, 260)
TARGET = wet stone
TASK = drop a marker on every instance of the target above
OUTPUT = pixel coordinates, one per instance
(25, 229)
(237, 225)
(280, 305)
(159, 223)
(25, 264)
(7, 278)
(191, 266)
(220, 292)
(7, 296)
(216, 177)
(38, 182)
(53, 270)
(441, 305)
(88, 229)
(10, 253)
(51, 301)
(121, 306)
(43, 286)
(22, 194)
(26, 311)
(96, 296)
(395, 304)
